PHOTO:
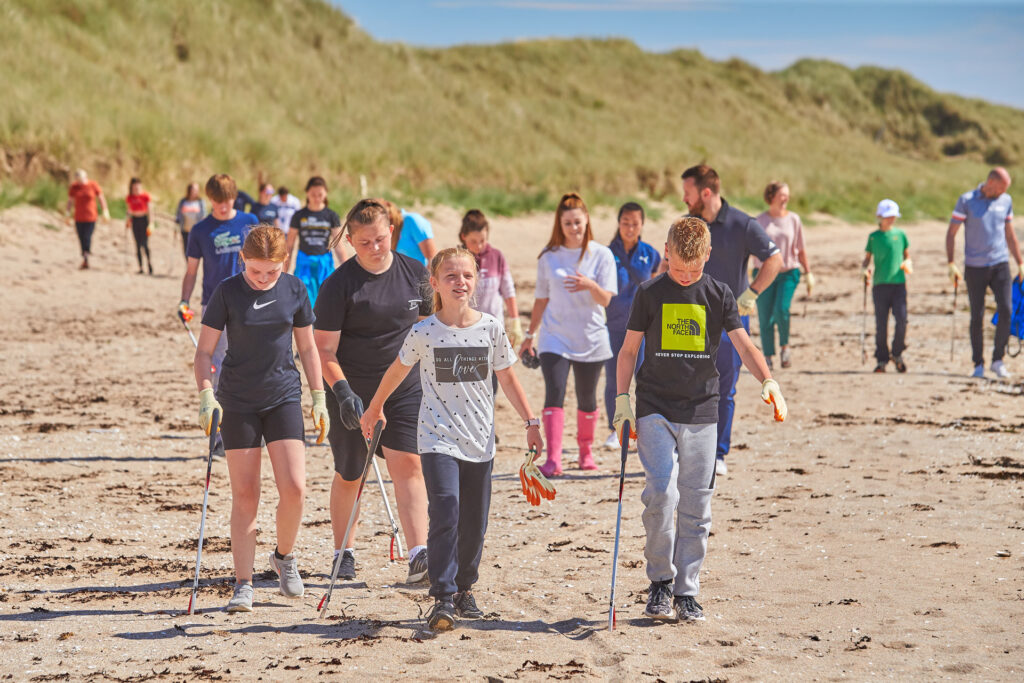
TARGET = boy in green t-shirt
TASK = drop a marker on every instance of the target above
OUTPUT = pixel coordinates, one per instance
(891, 250)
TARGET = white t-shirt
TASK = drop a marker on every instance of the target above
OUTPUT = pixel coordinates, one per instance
(286, 209)
(574, 325)
(457, 410)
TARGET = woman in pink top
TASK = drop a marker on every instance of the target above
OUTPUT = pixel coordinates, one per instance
(785, 229)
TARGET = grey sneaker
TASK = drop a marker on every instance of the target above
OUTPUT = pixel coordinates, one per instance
(688, 608)
(659, 603)
(784, 357)
(418, 568)
(347, 570)
(289, 581)
(241, 600)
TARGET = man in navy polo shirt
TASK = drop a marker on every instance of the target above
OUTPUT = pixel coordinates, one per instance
(989, 241)
(734, 237)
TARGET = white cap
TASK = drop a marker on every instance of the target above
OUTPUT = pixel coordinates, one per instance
(887, 208)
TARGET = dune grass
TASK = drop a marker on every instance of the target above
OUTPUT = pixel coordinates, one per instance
(174, 90)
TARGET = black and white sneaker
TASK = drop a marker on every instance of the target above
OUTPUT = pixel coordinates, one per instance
(688, 609)
(900, 365)
(417, 567)
(659, 603)
(441, 616)
(347, 570)
(465, 606)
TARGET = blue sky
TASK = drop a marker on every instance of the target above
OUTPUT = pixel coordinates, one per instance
(973, 49)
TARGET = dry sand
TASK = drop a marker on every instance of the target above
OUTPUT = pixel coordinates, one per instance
(863, 538)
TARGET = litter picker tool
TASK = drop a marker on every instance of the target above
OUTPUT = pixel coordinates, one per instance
(371, 448)
(864, 325)
(952, 332)
(184, 321)
(214, 426)
(626, 429)
(395, 539)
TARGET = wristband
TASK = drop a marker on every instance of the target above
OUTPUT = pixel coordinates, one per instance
(532, 422)
(528, 335)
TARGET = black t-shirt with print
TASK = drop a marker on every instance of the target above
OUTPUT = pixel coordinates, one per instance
(374, 313)
(259, 370)
(315, 229)
(682, 329)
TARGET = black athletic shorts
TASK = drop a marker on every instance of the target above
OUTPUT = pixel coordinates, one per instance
(402, 412)
(246, 430)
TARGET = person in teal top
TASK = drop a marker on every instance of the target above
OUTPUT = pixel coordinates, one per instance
(413, 236)
(890, 249)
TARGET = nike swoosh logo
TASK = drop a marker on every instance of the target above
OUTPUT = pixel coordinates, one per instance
(258, 306)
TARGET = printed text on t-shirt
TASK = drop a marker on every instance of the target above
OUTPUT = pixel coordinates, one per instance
(683, 327)
(461, 363)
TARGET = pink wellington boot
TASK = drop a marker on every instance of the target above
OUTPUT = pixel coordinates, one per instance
(554, 422)
(585, 425)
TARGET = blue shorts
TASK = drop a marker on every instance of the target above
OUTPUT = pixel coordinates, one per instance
(313, 270)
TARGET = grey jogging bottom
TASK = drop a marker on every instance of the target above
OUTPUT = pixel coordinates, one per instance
(679, 464)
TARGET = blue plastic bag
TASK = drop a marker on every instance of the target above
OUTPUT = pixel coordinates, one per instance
(1016, 315)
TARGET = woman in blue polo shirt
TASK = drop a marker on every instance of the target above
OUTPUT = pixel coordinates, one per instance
(635, 262)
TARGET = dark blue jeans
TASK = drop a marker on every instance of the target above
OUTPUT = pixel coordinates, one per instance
(887, 298)
(458, 501)
(728, 364)
(997, 278)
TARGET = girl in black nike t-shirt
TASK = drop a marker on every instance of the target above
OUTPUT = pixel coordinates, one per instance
(259, 396)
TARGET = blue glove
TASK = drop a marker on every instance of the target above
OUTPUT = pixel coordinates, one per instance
(350, 405)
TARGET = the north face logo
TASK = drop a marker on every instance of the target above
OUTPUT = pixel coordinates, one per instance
(685, 326)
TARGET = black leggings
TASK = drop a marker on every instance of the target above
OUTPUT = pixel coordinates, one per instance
(140, 226)
(85, 235)
(556, 377)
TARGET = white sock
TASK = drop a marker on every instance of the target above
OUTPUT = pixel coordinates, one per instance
(416, 551)
(351, 550)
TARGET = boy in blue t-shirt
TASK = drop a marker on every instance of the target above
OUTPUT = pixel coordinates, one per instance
(680, 316)
(891, 250)
(216, 241)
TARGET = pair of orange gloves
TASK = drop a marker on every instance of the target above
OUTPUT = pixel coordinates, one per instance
(535, 485)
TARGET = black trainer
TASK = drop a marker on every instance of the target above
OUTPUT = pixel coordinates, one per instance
(465, 606)
(417, 568)
(441, 616)
(659, 603)
(688, 608)
(347, 570)
(880, 367)
(900, 365)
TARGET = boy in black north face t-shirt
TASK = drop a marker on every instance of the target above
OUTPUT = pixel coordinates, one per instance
(679, 316)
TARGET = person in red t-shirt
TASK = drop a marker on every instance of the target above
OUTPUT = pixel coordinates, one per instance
(138, 220)
(82, 197)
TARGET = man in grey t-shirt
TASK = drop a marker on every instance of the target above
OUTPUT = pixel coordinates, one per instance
(986, 213)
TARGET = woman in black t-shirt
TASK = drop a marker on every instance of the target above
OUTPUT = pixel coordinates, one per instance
(315, 227)
(364, 312)
(258, 397)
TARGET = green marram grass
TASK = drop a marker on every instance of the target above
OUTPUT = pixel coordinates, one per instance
(174, 90)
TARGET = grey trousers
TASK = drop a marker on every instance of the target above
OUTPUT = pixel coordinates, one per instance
(679, 464)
